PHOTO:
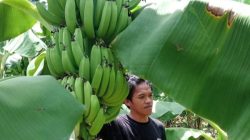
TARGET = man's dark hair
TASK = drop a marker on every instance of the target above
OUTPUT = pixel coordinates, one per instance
(133, 81)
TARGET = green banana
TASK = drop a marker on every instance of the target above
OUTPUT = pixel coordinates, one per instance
(118, 98)
(79, 89)
(111, 113)
(84, 131)
(70, 15)
(62, 3)
(59, 46)
(81, 10)
(105, 81)
(133, 3)
(98, 12)
(119, 4)
(113, 20)
(50, 65)
(66, 37)
(95, 59)
(67, 63)
(97, 78)
(87, 97)
(77, 52)
(88, 21)
(84, 68)
(55, 8)
(67, 45)
(122, 21)
(97, 123)
(79, 38)
(48, 16)
(56, 60)
(105, 20)
(94, 108)
(111, 85)
(119, 81)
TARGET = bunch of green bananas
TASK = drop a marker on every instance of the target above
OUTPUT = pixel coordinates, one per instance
(97, 18)
(81, 59)
(94, 79)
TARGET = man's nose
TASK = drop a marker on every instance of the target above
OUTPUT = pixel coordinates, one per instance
(148, 100)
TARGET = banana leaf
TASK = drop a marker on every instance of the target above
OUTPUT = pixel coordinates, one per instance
(13, 21)
(198, 54)
(36, 65)
(165, 111)
(26, 44)
(36, 108)
(16, 17)
(186, 134)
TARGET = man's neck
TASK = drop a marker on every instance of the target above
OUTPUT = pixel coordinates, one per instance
(138, 118)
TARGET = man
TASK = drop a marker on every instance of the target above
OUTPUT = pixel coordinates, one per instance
(137, 125)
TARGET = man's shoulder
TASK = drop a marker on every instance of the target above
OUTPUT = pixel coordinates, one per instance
(121, 118)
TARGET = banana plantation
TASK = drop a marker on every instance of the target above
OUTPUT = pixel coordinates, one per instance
(63, 66)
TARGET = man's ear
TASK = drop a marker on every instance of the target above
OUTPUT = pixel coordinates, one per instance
(127, 102)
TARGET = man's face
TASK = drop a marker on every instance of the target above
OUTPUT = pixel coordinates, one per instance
(142, 101)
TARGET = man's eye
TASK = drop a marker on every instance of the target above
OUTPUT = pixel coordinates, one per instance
(141, 97)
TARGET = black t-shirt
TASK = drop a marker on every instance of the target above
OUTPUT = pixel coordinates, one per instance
(125, 128)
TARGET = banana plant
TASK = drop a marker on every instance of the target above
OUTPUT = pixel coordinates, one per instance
(196, 51)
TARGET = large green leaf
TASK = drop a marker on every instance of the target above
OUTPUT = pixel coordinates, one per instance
(14, 21)
(17, 16)
(199, 59)
(36, 108)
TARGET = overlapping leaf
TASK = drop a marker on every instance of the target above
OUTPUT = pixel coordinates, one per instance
(36, 108)
(199, 55)
(17, 16)
(14, 20)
